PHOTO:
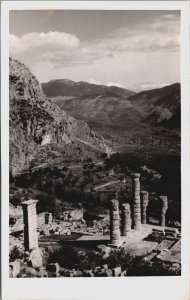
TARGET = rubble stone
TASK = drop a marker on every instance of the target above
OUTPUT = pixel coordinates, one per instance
(15, 266)
(116, 271)
(36, 258)
(29, 271)
(10, 272)
(42, 273)
(105, 266)
(109, 273)
(124, 273)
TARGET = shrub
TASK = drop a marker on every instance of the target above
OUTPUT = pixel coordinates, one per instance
(70, 257)
(139, 267)
(15, 253)
(118, 258)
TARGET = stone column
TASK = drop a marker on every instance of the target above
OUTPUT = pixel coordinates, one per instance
(164, 207)
(30, 224)
(136, 201)
(126, 219)
(48, 218)
(114, 223)
(144, 206)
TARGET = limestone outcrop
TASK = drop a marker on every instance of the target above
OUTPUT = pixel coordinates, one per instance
(38, 126)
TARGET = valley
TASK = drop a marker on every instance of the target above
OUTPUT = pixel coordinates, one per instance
(126, 118)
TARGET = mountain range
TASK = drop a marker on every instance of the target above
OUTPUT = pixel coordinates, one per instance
(118, 114)
(113, 105)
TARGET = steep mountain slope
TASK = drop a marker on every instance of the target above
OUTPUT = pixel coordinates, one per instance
(39, 128)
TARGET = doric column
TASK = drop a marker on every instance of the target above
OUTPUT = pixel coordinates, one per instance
(30, 224)
(144, 206)
(114, 223)
(136, 201)
(126, 219)
(164, 207)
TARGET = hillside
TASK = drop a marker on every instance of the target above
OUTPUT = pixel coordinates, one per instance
(160, 104)
(39, 129)
(125, 117)
(113, 105)
(89, 102)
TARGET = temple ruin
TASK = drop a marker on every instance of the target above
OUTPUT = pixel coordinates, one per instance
(121, 226)
(132, 216)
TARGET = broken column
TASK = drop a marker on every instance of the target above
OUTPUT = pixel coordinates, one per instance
(48, 218)
(136, 201)
(114, 223)
(126, 219)
(164, 207)
(144, 206)
(30, 224)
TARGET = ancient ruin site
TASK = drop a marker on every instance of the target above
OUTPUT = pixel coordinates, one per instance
(126, 233)
(95, 144)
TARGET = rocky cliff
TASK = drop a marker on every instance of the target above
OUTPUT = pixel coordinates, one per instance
(39, 128)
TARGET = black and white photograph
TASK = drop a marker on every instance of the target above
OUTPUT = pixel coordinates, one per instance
(95, 185)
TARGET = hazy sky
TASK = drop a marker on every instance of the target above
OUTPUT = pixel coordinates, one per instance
(135, 49)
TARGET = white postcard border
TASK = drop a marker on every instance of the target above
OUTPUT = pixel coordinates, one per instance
(149, 288)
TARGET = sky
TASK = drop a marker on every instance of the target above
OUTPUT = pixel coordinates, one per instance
(137, 50)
